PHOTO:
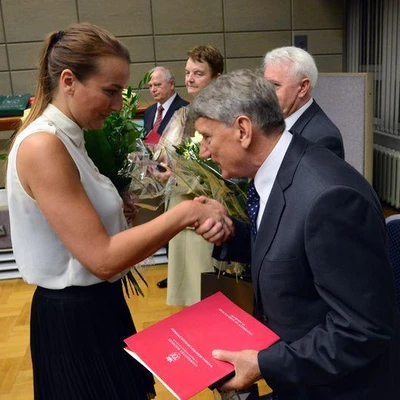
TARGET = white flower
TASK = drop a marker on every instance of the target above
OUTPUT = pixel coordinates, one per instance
(198, 137)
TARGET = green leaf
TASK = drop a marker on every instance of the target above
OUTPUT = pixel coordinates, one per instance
(99, 151)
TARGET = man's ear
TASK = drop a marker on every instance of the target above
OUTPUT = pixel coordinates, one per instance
(67, 81)
(245, 130)
(304, 87)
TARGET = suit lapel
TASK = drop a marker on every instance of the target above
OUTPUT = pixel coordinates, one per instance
(172, 108)
(266, 233)
(153, 116)
(305, 118)
(149, 117)
(275, 206)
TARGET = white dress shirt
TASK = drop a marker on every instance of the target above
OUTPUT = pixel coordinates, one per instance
(166, 106)
(266, 174)
(291, 119)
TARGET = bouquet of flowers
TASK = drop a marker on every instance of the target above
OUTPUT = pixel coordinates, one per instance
(145, 189)
(189, 175)
(202, 177)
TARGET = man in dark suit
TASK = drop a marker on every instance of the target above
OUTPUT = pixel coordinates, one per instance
(162, 89)
(294, 74)
(320, 269)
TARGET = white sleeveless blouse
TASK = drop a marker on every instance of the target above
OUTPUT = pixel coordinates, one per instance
(41, 257)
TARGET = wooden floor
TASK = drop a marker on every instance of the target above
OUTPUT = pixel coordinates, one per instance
(15, 363)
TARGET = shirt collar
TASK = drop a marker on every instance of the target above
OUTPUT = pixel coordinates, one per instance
(291, 119)
(168, 103)
(69, 128)
(266, 174)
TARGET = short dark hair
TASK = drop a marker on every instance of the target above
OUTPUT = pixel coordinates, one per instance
(210, 55)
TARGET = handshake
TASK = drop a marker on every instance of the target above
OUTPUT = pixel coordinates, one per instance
(214, 223)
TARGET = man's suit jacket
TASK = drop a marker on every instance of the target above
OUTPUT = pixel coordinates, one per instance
(150, 114)
(316, 126)
(323, 281)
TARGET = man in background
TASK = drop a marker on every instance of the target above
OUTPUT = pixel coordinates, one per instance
(162, 89)
(317, 247)
(294, 74)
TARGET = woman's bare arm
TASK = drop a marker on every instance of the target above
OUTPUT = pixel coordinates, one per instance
(49, 175)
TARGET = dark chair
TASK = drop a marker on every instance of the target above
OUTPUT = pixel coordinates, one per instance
(393, 229)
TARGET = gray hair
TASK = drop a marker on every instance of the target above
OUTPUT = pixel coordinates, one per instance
(241, 92)
(167, 73)
(303, 64)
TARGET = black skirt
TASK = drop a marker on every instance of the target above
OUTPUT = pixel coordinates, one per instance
(77, 345)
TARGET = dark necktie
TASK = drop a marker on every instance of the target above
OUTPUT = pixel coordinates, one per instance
(157, 124)
(253, 205)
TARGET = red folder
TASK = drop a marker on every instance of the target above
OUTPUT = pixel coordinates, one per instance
(177, 350)
(152, 138)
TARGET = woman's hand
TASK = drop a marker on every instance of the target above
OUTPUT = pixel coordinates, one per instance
(162, 172)
(130, 209)
(218, 227)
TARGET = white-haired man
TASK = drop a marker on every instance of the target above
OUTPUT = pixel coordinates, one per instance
(294, 74)
(162, 89)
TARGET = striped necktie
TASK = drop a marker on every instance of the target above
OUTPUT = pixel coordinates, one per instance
(157, 124)
(253, 205)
